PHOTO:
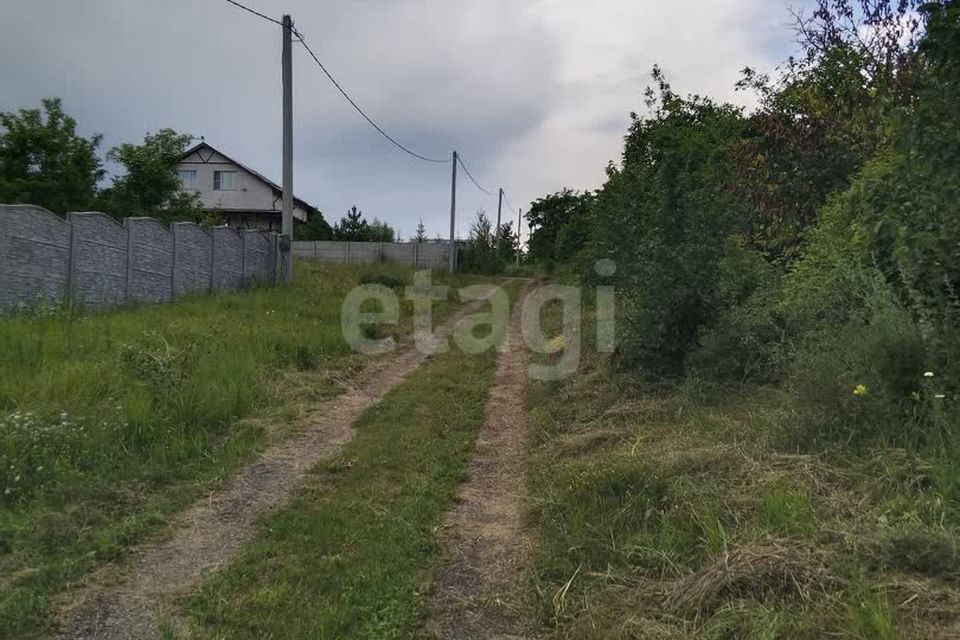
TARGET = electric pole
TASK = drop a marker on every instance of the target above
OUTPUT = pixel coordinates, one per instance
(286, 226)
(499, 209)
(453, 215)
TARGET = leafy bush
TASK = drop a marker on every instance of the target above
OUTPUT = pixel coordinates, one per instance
(746, 342)
(864, 381)
(664, 220)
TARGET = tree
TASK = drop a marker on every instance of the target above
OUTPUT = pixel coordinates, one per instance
(151, 185)
(381, 232)
(352, 226)
(823, 117)
(507, 244)
(421, 235)
(480, 252)
(315, 228)
(559, 226)
(44, 162)
(664, 218)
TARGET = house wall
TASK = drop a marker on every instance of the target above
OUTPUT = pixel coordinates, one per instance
(92, 261)
(250, 194)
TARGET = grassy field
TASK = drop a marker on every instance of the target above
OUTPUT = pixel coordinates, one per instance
(111, 422)
(664, 517)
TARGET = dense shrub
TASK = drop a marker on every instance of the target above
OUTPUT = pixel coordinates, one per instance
(664, 220)
(745, 343)
(814, 243)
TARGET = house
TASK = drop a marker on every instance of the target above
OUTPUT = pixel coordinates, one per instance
(245, 198)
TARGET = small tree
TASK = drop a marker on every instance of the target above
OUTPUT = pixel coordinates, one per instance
(316, 228)
(44, 162)
(352, 227)
(381, 232)
(151, 185)
(480, 253)
(421, 235)
(507, 244)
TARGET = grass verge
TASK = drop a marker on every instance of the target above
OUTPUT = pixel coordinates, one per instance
(664, 517)
(111, 422)
(347, 557)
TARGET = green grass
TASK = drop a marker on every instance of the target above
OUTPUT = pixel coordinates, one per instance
(348, 556)
(111, 422)
(664, 516)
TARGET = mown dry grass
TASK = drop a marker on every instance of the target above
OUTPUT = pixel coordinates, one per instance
(663, 517)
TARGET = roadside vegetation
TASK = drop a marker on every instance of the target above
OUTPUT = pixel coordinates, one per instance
(772, 449)
(111, 422)
(662, 516)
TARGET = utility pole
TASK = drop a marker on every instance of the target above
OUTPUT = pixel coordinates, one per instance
(499, 209)
(519, 240)
(453, 215)
(287, 215)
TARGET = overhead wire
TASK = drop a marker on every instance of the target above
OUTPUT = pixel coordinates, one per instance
(361, 111)
(342, 91)
(509, 206)
(469, 175)
(300, 37)
(255, 12)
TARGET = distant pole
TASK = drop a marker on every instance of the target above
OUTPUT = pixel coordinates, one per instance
(287, 216)
(499, 209)
(453, 215)
(519, 241)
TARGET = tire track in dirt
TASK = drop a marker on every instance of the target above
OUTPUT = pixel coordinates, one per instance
(209, 534)
(477, 593)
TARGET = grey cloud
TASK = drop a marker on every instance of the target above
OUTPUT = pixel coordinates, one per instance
(534, 93)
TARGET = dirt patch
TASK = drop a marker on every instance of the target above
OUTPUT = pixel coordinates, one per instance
(476, 594)
(132, 603)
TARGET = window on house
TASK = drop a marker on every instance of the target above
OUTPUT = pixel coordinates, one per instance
(224, 180)
(188, 178)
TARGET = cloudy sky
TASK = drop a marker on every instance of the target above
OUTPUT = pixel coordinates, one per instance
(534, 93)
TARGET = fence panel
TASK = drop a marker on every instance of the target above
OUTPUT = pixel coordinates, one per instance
(194, 258)
(151, 261)
(93, 261)
(256, 249)
(425, 255)
(34, 256)
(98, 269)
(228, 255)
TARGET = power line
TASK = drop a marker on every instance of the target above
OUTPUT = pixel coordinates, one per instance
(509, 206)
(467, 171)
(353, 103)
(255, 12)
(357, 107)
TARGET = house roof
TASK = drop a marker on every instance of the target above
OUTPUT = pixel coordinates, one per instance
(278, 190)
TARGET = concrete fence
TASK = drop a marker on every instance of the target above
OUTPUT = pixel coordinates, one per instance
(423, 255)
(95, 262)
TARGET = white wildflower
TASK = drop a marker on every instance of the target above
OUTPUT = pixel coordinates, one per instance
(928, 374)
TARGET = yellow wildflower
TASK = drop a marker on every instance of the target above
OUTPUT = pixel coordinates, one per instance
(860, 390)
